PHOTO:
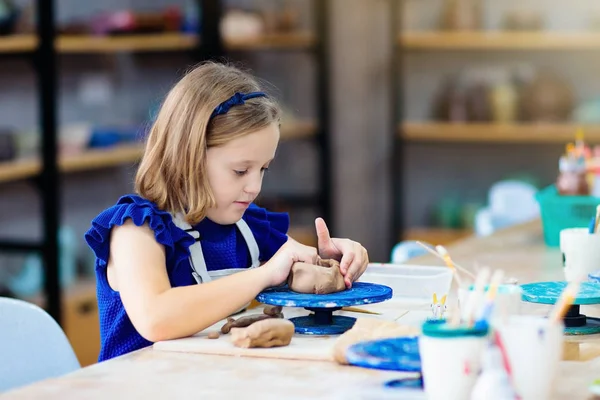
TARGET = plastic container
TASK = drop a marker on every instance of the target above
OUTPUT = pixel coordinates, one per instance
(562, 212)
(417, 282)
(451, 359)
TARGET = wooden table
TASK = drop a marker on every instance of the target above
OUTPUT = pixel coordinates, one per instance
(150, 374)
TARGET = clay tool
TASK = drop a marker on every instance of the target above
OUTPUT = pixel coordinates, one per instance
(438, 255)
(565, 300)
(359, 310)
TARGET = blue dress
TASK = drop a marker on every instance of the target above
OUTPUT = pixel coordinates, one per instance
(223, 247)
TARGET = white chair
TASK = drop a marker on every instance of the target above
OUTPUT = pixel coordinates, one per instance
(33, 346)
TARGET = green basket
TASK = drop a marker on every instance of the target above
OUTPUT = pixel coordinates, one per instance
(562, 212)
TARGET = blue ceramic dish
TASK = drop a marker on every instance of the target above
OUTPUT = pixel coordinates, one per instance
(394, 354)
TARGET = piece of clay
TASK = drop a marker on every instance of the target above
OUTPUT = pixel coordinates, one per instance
(213, 335)
(316, 279)
(247, 320)
(273, 332)
(273, 311)
(369, 329)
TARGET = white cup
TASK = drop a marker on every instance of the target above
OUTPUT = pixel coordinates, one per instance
(581, 252)
(534, 348)
(507, 302)
(450, 359)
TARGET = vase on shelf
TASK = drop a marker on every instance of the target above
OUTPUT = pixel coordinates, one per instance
(462, 15)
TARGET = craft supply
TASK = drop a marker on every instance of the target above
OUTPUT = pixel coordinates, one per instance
(438, 308)
(494, 382)
(273, 332)
(490, 295)
(441, 257)
(534, 349)
(444, 253)
(451, 359)
(575, 323)
(564, 302)
(322, 321)
(597, 219)
(507, 301)
(323, 278)
(468, 312)
(581, 252)
(369, 329)
(391, 354)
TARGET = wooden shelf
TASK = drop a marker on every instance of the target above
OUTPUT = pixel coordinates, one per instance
(298, 130)
(499, 40)
(436, 236)
(508, 133)
(89, 160)
(293, 40)
(68, 44)
(17, 43)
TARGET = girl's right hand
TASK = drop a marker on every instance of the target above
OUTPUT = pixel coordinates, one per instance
(280, 264)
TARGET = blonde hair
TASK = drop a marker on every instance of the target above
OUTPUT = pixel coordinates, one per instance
(172, 173)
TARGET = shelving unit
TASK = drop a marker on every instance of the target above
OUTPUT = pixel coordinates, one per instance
(316, 43)
(470, 42)
(44, 46)
(494, 41)
(44, 171)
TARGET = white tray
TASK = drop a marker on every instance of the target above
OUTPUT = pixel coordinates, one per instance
(415, 282)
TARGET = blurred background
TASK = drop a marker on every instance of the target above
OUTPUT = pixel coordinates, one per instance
(413, 119)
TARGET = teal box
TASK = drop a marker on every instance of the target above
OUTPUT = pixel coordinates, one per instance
(562, 212)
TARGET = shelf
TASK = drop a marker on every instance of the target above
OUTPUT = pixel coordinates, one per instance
(68, 44)
(436, 236)
(88, 160)
(499, 40)
(293, 40)
(18, 43)
(298, 130)
(485, 133)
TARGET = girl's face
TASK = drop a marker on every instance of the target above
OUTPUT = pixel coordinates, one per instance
(235, 172)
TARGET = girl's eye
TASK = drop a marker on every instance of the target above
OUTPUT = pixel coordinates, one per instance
(240, 173)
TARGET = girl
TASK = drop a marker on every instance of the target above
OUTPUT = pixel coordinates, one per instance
(183, 253)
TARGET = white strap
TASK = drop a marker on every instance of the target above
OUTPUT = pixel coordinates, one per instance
(197, 261)
(199, 271)
(250, 242)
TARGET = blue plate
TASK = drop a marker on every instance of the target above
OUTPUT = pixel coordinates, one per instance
(394, 354)
(359, 293)
(549, 292)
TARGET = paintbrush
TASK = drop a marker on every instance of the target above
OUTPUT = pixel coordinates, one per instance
(565, 300)
(490, 297)
(438, 255)
(597, 219)
(475, 295)
(446, 257)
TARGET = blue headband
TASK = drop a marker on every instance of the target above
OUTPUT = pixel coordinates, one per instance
(236, 100)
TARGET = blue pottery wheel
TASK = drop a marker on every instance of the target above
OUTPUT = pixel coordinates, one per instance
(322, 321)
(575, 322)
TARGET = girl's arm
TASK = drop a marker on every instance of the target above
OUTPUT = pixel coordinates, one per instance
(136, 269)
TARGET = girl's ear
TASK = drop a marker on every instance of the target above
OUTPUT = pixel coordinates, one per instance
(444, 299)
(434, 298)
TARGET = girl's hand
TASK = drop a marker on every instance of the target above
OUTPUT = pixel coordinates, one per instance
(280, 264)
(353, 257)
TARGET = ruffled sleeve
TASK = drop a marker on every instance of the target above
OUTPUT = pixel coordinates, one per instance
(140, 211)
(269, 228)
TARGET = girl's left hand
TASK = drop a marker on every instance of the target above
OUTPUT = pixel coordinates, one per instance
(353, 257)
